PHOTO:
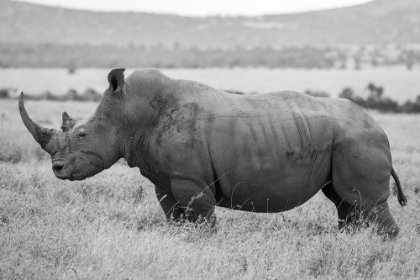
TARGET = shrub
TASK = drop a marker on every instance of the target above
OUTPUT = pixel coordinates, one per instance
(4, 93)
(411, 107)
(70, 95)
(376, 101)
(91, 95)
(347, 93)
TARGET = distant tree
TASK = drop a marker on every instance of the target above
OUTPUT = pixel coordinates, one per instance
(376, 92)
(72, 94)
(91, 95)
(357, 62)
(343, 65)
(176, 45)
(347, 93)
(410, 59)
(4, 93)
(411, 107)
(373, 62)
(71, 68)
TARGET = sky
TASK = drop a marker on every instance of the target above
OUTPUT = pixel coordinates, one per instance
(203, 7)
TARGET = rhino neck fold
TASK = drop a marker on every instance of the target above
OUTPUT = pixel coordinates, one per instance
(140, 127)
(136, 153)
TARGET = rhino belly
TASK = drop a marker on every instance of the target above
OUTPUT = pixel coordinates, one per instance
(274, 190)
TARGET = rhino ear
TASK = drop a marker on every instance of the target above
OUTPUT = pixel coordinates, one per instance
(68, 122)
(116, 80)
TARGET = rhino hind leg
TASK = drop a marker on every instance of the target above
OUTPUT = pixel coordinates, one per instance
(360, 174)
(354, 216)
(196, 201)
(381, 216)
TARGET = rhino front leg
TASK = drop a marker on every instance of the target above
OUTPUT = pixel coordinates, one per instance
(196, 201)
(169, 205)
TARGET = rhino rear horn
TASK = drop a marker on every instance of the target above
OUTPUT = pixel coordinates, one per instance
(116, 80)
(68, 122)
(41, 135)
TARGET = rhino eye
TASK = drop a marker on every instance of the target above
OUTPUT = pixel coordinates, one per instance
(81, 133)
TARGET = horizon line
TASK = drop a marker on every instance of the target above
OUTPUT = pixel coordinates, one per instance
(226, 15)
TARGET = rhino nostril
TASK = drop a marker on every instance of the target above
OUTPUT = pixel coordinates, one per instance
(57, 167)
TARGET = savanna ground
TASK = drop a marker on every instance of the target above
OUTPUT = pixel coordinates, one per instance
(106, 227)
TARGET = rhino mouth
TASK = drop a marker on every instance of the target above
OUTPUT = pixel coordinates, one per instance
(57, 167)
(64, 174)
(61, 171)
(68, 171)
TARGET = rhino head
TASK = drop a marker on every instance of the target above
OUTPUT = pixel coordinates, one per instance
(82, 149)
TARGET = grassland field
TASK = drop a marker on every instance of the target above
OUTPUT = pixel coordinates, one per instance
(110, 226)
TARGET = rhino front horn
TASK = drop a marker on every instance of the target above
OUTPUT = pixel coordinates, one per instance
(41, 135)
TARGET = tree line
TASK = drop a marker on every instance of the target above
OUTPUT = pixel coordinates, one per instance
(159, 56)
(375, 101)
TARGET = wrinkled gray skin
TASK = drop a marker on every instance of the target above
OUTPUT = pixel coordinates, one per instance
(202, 147)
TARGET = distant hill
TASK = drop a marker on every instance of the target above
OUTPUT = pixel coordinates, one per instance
(377, 22)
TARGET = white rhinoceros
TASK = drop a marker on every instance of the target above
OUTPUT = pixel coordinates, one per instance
(202, 147)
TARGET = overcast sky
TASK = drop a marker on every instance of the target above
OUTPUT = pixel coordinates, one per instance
(203, 7)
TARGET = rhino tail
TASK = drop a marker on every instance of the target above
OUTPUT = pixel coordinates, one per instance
(402, 199)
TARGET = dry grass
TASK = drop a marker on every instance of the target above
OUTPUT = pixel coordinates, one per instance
(103, 228)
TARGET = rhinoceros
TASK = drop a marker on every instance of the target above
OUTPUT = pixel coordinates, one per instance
(202, 147)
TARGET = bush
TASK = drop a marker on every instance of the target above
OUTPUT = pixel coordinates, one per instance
(411, 107)
(4, 93)
(70, 95)
(376, 101)
(347, 93)
(91, 95)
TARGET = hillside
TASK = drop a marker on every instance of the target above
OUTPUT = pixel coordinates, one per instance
(377, 22)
